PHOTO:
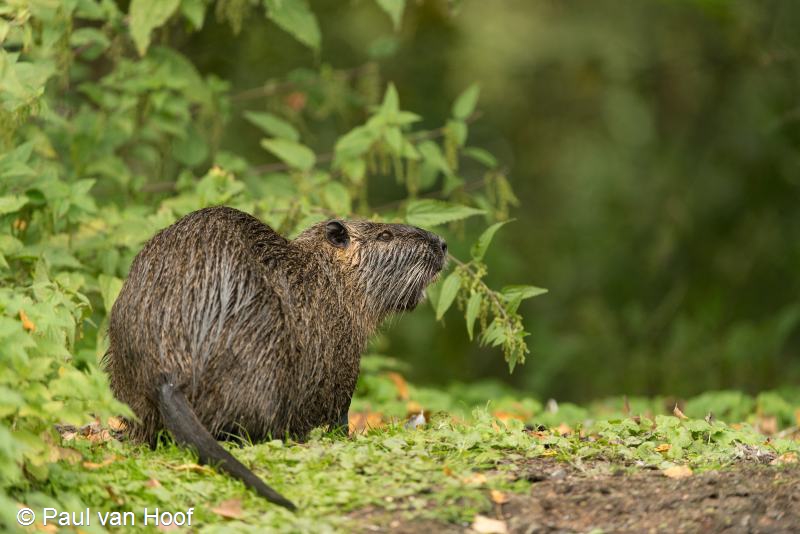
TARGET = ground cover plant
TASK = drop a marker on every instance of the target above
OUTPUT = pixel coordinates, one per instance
(470, 463)
(109, 133)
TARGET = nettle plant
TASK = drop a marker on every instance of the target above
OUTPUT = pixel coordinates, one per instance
(108, 133)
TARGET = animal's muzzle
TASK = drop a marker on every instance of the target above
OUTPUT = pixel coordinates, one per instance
(439, 246)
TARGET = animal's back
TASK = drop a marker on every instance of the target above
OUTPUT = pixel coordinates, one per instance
(204, 306)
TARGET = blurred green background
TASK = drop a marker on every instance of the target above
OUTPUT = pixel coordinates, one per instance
(654, 148)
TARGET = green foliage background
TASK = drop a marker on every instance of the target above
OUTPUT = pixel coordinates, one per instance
(110, 133)
(651, 171)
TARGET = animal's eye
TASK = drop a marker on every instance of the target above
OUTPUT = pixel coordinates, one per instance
(386, 235)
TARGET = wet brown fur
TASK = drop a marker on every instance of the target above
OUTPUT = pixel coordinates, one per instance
(261, 334)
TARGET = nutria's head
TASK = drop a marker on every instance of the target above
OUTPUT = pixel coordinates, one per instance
(389, 264)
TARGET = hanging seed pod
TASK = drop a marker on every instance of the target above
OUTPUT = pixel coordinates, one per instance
(383, 159)
(451, 149)
(368, 84)
(397, 166)
(372, 161)
(412, 177)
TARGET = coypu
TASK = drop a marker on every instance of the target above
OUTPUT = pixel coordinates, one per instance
(224, 327)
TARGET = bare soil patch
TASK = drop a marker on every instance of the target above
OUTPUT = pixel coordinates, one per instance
(599, 497)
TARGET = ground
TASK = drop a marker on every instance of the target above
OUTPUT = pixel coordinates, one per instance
(602, 498)
(483, 460)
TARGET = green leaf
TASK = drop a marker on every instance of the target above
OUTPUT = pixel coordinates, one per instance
(479, 248)
(450, 288)
(434, 212)
(522, 292)
(290, 152)
(473, 309)
(110, 286)
(87, 37)
(383, 47)
(394, 8)
(272, 124)
(9, 246)
(337, 197)
(147, 15)
(192, 149)
(434, 157)
(295, 17)
(194, 11)
(495, 334)
(466, 101)
(394, 138)
(481, 156)
(406, 117)
(12, 203)
(23, 82)
(391, 101)
(355, 143)
(458, 129)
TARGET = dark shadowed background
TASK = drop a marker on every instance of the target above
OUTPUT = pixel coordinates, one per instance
(653, 146)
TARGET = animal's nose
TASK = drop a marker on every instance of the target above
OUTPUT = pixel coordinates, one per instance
(439, 243)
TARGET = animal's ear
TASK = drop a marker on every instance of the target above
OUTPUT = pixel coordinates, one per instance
(337, 235)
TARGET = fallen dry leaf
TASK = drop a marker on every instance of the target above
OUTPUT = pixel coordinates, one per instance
(114, 496)
(27, 324)
(664, 447)
(498, 497)
(487, 525)
(506, 416)
(678, 413)
(100, 437)
(678, 472)
(475, 479)
(95, 433)
(413, 407)
(768, 425)
(232, 509)
(785, 458)
(399, 383)
(363, 421)
(106, 461)
(116, 424)
(564, 429)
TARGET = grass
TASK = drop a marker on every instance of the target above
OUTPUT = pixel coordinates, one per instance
(444, 470)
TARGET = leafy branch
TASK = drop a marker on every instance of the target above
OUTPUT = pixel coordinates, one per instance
(495, 311)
